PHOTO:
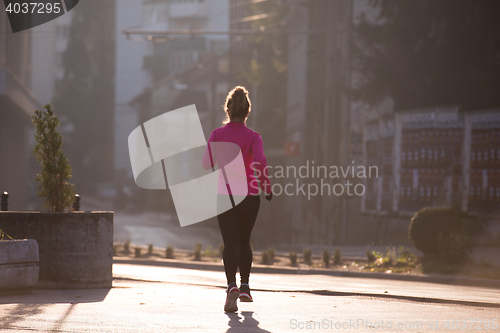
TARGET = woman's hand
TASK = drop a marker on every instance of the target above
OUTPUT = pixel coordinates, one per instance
(269, 196)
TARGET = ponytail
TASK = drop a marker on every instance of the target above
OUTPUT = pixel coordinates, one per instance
(237, 106)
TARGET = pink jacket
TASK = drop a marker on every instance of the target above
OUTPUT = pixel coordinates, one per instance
(252, 149)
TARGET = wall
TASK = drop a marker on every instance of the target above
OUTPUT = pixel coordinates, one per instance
(76, 249)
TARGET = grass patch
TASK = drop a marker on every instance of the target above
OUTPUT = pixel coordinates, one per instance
(400, 261)
(211, 252)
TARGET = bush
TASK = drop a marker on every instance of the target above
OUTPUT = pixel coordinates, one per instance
(337, 257)
(265, 258)
(404, 253)
(370, 256)
(268, 256)
(390, 256)
(308, 256)
(210, 252)
(115, 250)
(150, 249)
(272, 253)
(197, 251)
(326, 258)
(126, 247)
(137, 252)
(293, 258)
(53, 180)
(444, 234)
(169, 252)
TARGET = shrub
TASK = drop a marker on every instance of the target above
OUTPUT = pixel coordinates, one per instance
(169, 252)
(150, 249)
(326, 258)
(4, 236)
(210, 252)
(265, 258)
(370, 256)
(390, 256)
(404, 253)
(221, 249)
(293, 258)
(126, 247)
(337, 257)
(137, 252)
(308, 256)
(115, 250)
(445, 234)
(197, 251)
(53, 186)
(272, 253)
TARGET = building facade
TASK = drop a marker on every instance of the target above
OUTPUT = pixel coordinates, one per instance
(17, 104)
(433, 157)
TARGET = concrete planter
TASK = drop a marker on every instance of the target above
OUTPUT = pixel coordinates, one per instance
(18, 264)
(76, 249)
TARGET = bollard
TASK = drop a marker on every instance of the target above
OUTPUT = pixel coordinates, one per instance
(4, 206)
(76, 204)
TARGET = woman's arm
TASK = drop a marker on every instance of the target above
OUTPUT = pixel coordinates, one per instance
(209, 161)
(260, 163)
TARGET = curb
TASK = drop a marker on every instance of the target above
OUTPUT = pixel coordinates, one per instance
(430, 278)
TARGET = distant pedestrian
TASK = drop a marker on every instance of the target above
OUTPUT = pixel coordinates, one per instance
(236, 224)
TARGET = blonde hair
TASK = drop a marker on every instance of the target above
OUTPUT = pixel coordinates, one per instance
(237, 105)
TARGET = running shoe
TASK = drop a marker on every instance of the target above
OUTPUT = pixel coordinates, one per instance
(232, 297)
(245, 295)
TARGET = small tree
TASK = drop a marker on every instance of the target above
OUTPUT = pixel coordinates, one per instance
(272, 253)
(197, 251)
(326, 258)
(265, 258)
(169, 252)
(293, 258)
(337, 257)
(308, 256)
(53, 185)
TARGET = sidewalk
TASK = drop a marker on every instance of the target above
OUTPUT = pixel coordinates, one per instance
(318, 284)
(266, 269)
(155, 298)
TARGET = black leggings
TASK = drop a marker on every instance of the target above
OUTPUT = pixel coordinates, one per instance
(236, 226)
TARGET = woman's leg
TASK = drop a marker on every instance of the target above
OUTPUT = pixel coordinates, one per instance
(247, 213)
(228, 224)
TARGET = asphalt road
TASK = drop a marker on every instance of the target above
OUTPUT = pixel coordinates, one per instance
(164, 299)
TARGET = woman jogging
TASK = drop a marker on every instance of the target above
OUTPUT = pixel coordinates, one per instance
(236, 224)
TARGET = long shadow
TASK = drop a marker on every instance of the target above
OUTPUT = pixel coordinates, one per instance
(33, 304)
(59, 323)
(54, 296)
(401, 297)
(20, 312)
(249, 323)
